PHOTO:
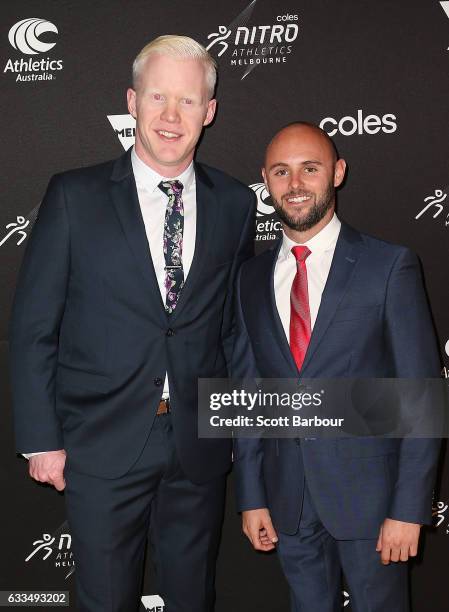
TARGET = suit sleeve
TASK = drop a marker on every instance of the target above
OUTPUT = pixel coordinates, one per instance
(34, 325)
(244, 251)
(248, 452)
(413, 347)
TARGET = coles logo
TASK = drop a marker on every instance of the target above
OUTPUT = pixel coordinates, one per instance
(249, 46)
(25, 37)
(359, 124)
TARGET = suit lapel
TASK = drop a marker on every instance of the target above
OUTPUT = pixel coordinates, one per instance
(126, 203)
(347, 252)
(206, 216)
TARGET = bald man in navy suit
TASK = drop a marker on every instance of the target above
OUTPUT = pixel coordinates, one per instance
(331, 302)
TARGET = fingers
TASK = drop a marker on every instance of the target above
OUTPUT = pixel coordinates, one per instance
(264, 537)
(59, 482)
(49, 468)
(379, 541)
(54, 478)
(394, 555)
(413, 550)
(398, 541)
(37, 473)
(271, 533)
(267, 539)
(259, 542)
(258, 528)
(385, 555)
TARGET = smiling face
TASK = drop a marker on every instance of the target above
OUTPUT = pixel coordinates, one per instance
(171, 105)
(301, 173)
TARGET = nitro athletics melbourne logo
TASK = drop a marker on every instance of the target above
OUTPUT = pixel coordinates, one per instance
(252, 45)
(24, 36)
(56, 548)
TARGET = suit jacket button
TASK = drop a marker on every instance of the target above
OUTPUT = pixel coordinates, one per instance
(158, 382)
(169, 333)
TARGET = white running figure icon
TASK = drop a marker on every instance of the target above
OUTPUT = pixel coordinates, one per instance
(220, 37)
(44, 544)
(434, 200)
(18, 227)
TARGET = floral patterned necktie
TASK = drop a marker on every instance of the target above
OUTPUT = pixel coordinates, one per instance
(173, 235)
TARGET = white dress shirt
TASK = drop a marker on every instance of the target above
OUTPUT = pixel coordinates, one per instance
(318, 263)
(153, 204)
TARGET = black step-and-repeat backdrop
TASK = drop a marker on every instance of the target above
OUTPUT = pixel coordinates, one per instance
(374, 75)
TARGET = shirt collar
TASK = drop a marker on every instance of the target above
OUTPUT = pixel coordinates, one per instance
(324, 241)
(148, 179)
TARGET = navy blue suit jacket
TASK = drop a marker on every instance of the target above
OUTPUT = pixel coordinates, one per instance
(373, 322)
(90, 341)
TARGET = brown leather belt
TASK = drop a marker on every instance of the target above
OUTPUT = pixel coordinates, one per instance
(164, 406)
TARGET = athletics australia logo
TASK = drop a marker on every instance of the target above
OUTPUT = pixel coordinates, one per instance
(59, 545)
(253, 45)
(434, 205)
(268, 226)
(24, 36)
(264, 205)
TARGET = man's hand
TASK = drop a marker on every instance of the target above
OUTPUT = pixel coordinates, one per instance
(49, 467)
(397, 540)
(258, 528)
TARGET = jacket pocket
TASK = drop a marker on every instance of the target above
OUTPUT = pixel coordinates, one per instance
(366, 447)
(67, 376)
(356, 312)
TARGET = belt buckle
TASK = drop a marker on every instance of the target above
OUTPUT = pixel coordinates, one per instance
(164, 406)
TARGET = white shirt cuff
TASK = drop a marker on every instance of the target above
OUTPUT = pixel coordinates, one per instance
(28, 455)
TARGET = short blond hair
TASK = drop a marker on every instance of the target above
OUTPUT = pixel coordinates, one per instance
(180, 47)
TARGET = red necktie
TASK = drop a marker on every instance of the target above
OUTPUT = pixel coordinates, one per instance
(300, 328)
